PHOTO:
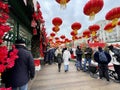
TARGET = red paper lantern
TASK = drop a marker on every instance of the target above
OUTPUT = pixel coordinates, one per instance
(109, 27)
(86, 33)
(74, 38)
(73, 33)
(62, 36)
(92, 7)
(93, 29)
(57, 21)
(66, 40)
(119, 23)
(52, 34)
(76, 26)
(55, 29)
(62, 3)
(114, 15)
(56, 38)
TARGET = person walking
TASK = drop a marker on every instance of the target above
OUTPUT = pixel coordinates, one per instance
(88, 55)
(116, 64)
(79, 54)
(66, 57)
(58, 54)
(102, 58)
(19, 75)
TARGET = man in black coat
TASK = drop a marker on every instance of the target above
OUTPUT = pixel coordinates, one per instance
(103, 65)
(23, 70)
(79, 54)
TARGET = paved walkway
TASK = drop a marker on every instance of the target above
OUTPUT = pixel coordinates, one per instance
(50, 79)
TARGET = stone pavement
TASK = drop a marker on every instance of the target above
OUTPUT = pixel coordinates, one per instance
(50, 79)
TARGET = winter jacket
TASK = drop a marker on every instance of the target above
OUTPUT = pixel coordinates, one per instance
(79, 54)
(96, 58)
(58, 54)
(88, 53)
(22, 71)
(66, 57)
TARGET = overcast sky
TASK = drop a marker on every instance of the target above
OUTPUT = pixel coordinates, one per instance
(72, 13)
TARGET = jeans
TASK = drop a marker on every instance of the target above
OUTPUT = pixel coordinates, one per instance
(66, 67)
(85, 62)
(24, 87)
(79, 64)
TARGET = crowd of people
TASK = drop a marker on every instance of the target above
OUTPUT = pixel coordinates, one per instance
(83, 58)
(24, 68)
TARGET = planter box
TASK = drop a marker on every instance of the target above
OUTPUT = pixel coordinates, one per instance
(37, 64)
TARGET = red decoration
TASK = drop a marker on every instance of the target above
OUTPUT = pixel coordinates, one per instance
(76, 26)
(119, 23)
(86, 33)
(56, 38)
(73, 33)
(33, 23)
(57, 21)
(93, 29)
(55, 29)
(114, 15)
(37, 62)
(38, 5)
(34, 31)
(92, 7)
(109, 27)
(62, 3)
(52, 35)
(96, 44)
(62, 36)
(6, 60)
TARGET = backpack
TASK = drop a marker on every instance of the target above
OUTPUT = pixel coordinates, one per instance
(117, 54)
(102, 57)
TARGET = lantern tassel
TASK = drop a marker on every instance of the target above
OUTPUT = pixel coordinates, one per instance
(115, 22)
(76, 32)
(110, 30)
(92, 16)
(63, 4)
(93, 33)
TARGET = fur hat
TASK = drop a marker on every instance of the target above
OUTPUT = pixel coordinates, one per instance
(19, 41)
